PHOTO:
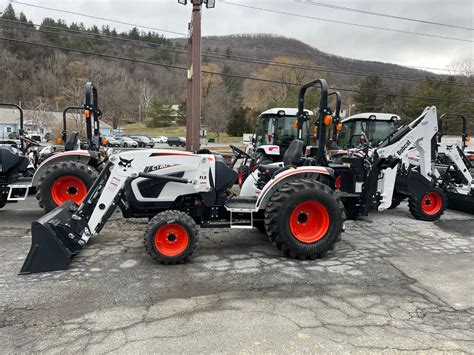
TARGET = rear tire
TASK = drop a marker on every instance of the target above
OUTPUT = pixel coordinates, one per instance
(304, 219)
(171, 237)
(430, 206)
(62, 181)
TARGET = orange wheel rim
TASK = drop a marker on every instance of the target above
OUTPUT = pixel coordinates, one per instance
(309, 221)
(431, 203)
(68, 188)
(171, 240)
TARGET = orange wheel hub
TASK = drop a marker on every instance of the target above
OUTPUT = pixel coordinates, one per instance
(309, 221)
(68, 188)
(171, 240)
(431, 203)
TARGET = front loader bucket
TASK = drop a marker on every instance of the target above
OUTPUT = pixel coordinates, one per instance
(51, 248)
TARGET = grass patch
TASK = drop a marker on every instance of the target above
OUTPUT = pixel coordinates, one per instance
(137, 128)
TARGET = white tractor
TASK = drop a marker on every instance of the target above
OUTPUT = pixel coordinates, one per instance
(294, 202)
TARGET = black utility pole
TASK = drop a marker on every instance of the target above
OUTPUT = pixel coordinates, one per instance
(193, 88)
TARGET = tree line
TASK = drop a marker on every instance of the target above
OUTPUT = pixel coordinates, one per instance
(155, 96)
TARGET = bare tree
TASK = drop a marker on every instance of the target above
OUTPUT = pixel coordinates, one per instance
(463, 66)
(145, 97)
(216, 110)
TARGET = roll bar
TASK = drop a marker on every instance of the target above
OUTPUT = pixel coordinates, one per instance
(21, 131)
(464, 126)
(337, 112)
(65, 112)
(323, 111)
(92, 117)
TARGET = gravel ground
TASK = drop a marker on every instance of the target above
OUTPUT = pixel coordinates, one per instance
(392, 284)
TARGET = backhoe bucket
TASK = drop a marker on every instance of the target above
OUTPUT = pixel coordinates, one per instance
(51, 248)
(459, 202)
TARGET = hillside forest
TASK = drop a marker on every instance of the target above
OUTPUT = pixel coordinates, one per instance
(149, 76)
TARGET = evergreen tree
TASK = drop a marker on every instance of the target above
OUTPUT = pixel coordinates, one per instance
(9, 13)
(181, 119)
(160, 114)
(368, 99)
(23, 18)
(240, 122)
(447, 90)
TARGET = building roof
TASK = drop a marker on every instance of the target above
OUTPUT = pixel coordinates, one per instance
(378, 116)
(288, 111)
(9, 116)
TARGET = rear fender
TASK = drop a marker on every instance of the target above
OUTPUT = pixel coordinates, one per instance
(269, 149)
(307, 172)
(80, 155)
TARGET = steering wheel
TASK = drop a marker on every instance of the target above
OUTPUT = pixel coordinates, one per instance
(30, 142)
(238, 154)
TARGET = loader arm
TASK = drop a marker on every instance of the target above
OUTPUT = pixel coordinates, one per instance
(61, 234)
(419, 135)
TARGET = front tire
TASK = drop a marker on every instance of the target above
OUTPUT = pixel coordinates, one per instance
(304, 219)
(171, 237)
(64, 181)
(430, 207)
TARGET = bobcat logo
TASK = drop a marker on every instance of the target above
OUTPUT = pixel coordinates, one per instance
(125, 163)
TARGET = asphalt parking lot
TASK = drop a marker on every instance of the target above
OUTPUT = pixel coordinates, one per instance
(392, 283)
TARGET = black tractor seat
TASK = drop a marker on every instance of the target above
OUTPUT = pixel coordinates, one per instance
(291, 158)
(71, 142)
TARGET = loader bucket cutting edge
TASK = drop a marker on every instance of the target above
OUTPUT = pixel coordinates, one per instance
(51, 249)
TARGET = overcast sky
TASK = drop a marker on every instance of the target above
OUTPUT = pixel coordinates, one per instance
(344, 40)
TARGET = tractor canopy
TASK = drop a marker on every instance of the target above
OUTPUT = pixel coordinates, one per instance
(277, 127)
(374, 127)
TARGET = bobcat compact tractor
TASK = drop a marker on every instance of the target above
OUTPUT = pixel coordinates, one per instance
(295, 200)
(62, 176)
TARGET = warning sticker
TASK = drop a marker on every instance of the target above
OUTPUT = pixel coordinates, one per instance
(113, 184)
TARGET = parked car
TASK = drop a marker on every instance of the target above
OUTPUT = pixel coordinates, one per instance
(112, 141)
(143, 141)
(127, 142)
(14, 135)
(160, 139)
(177, 141)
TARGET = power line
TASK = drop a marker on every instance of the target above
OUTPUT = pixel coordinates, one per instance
(244, 59)
(99, 18)
(212, 38)
(223, 74)
(345, 23)
(344, 8)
